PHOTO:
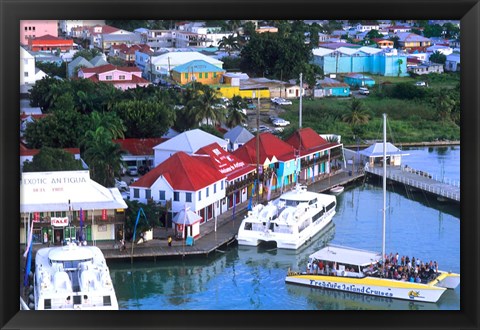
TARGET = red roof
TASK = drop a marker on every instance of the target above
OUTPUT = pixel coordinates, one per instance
(139, 147)
(110, 67)
(183, 172)
(24, 116)
(47, 37)
(24, 151)
(270, 146)
(308, 141)
(106, 29)
(226, 163)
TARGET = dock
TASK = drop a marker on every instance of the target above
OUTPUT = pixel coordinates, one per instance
(421, 181)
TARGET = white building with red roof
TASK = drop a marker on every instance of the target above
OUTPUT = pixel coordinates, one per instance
(186, 181)
(239, 175)
(121, 77)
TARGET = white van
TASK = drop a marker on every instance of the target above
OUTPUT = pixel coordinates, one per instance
(363, 91)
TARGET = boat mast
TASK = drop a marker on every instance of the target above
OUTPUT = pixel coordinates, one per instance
(384, 184)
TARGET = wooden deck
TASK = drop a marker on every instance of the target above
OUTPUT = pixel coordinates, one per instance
(418, 180)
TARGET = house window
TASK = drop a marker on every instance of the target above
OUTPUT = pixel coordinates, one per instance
(214, 188)
(122, 77)
(206, 74)
(186, 75)
(176, 196)
(188, 197)
(221, 187)
(136, 193)
(26, 28)
(214, 75)
(25, 74)
(108, 78)
(161, 195)
(148, 194)
(200, 75)
(200, 195)
(207, 191)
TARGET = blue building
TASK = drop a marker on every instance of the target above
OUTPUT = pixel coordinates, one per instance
(358, 79)
(331, 87)
(364, 59)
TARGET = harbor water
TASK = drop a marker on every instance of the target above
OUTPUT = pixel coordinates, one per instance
(253, 278)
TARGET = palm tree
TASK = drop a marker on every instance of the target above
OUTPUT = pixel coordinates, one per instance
(235, 115)
(356, 116)
(205, 106)
(110, 122)
(103, 157)
(229, 44)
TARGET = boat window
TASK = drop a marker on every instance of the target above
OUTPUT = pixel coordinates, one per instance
(313, 201)
(330, 206)
(248, 226)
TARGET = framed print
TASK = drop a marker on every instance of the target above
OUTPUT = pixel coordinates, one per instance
(236, 286)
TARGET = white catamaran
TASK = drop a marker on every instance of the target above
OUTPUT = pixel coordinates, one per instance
(73, 277)
(292, 219)
(365, 272)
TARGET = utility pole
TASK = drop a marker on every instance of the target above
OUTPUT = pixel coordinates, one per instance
(300, 107)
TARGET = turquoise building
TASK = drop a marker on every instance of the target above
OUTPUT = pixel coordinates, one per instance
(363, 59)
(358, 79)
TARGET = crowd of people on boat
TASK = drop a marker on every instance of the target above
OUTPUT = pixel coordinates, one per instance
(405, 269)
(399, 268)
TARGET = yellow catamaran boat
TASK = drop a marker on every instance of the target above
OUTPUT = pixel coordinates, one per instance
(363, 272)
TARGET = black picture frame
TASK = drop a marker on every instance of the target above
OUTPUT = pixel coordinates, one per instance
(13, 11)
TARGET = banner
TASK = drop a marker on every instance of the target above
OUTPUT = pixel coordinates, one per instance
(104, 215)
(59, 222)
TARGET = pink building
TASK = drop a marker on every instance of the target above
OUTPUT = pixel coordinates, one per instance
(121, 77)
(37, 28)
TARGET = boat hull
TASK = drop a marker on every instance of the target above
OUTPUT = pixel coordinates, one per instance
(373, 286)
(284, 241)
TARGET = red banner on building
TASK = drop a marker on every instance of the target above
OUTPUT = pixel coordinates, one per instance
(104, 215)
(36, 216)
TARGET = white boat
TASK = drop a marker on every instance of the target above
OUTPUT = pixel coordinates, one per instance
(73, 277)
(289, 221)
(359, 271)
(337, 190)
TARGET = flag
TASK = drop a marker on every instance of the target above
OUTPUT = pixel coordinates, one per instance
(234, 204)
(249, 207)
(270, 187)
(81, 224)
(136, 223)
(29, 242)
(27, 266)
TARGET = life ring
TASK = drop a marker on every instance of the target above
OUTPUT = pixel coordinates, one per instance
(179, 227)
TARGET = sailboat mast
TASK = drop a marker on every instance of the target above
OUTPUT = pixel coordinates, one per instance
(384, 183)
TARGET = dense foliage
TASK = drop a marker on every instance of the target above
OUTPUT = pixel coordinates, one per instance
(51, 159)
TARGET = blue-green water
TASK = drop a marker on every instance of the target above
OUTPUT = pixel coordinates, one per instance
(245, 278)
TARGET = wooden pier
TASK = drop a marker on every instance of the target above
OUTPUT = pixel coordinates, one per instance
(418, 180)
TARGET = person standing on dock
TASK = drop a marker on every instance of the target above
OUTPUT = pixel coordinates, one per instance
(169, 240)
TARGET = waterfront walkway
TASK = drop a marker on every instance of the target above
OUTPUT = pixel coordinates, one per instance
(215, 236)
(419, 180)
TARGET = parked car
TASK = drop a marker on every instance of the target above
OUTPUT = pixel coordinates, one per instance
(272, 118)
(281, 122)
(121, 185)
(125, 195)
(420, 83)
(281, 101)
(363, 91)
(132, 171)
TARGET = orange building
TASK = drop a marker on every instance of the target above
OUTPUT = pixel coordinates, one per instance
(50, 43)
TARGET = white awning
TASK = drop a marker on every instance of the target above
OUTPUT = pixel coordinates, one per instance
(64, 191)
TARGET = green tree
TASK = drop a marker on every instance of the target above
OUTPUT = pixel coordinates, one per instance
(374, 34)
(452, 31)
(356, 116)
(229, 44)
(153, 212)
(44, 93)
(407, 91)
(145, 118)
(110, 121)
(432, 30)
(400, 62)
(204, 107)
(235, 116)
(52, 159)
(53, 69)
(438, 57)
(104, 157)
(444, 105)
(87, 54)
